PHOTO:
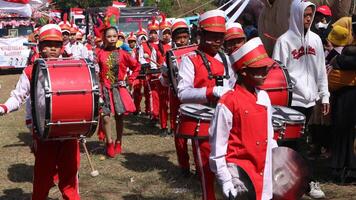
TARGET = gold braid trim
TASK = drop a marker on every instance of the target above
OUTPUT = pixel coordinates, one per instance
(258, 58)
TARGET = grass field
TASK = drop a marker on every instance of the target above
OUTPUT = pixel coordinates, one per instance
(146, 170)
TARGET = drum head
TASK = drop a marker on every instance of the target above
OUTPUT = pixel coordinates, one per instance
(197, 111)
(289, 115)
(38, 97)
(290, 174)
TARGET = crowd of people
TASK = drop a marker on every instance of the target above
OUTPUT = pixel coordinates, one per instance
(225, 70)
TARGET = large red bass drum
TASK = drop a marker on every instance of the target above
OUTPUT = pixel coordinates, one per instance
(64, 98)
(278, 85)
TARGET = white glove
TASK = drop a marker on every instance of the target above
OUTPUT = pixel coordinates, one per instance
(228, 188)
(2, 111)
(239, 186)
(219, 91)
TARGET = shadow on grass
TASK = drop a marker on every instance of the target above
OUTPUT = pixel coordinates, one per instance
(24, 137)
(15, 194)
(140, 125)
(170, 173)
(94, 147)
(20, 173)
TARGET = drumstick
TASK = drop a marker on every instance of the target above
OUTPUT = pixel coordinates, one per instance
(146, 56)
(93, 172)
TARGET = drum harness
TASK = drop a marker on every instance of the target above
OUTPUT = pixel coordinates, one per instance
(219, 80)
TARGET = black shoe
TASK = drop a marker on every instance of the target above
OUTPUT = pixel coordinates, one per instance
(186, 173)
(164, 132)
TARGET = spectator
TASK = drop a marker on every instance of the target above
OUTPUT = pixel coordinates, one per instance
(301, 51)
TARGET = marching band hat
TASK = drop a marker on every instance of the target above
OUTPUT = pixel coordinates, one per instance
(179, 23)
(252, 54)
(213, 21)
(153, 25)
(131, 37)
(233, 31)
(164, 25)
(50, 32)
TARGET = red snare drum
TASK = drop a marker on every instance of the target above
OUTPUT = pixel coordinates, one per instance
(194, 120)
(278, 85)
(287, 123)
(64, 98)
(173, 59)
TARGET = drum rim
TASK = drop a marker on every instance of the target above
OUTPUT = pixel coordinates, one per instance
(199, 117)
(43, 134)
(298, 121)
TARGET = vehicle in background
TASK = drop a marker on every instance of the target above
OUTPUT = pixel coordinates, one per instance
(130, 17)
(14, 32)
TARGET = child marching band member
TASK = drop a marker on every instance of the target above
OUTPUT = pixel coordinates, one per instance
(163, 46)
(51, 157)
(141, 35)
(234, 37)
(180, 38)
(204, 76)
(113, 65)
(241, 131)
(150, 49)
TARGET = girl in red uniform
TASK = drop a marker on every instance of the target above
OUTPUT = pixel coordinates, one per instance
(113, 65)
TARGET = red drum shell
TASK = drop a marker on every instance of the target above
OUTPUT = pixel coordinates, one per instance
(289, 123)
(194, 121)
(72, 105)
(278, 85)
(187, 126)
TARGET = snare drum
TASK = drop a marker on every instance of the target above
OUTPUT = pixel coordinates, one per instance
(64, 98)
(278, 85)
(193, 121)
(173, 59)
(287, 123)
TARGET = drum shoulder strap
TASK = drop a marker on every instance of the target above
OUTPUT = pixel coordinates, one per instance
(207, 65)
(223, 58)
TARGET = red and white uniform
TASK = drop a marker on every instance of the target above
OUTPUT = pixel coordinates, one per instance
(113, 70)
(62, 157)
(151, 48)
(241, 133)
(163, 92)
(78, 50)
(195, 87)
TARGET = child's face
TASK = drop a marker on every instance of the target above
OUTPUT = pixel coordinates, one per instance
(233, 44)
(111, 37)
(255, 76)
(132, 44)
(166, 36)
(153, 36)
(50, 49)
(181, 39)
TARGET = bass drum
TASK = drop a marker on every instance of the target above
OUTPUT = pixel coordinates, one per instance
(278, 85)
(173, 59)
(64, 98)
